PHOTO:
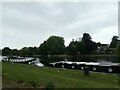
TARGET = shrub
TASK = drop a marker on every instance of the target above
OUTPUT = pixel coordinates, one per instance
(50, 85)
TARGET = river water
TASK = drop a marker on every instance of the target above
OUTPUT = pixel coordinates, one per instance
(47, 60)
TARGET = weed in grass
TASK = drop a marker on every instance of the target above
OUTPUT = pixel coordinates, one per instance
(33, 83)
(28, 86)
(42, 88)
(119, 81)
(50, 85)
(20, 81)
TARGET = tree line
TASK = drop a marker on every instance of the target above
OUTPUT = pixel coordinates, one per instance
(54, 45)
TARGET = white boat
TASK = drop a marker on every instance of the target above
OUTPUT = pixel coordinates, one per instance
(17, 59)
(37, 63)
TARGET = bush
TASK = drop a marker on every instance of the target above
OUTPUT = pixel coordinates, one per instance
(33, 83)
(50, 85)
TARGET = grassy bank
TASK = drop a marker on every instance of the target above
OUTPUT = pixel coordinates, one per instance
(0, 74)
(18, 75)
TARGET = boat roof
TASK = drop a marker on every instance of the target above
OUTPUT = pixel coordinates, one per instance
(88, 63)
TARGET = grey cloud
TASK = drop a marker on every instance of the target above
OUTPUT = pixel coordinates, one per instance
(35, 22)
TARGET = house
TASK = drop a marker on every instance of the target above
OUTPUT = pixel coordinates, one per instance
(102, 48)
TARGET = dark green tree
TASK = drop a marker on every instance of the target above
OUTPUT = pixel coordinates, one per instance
(89, 44)
(54, 45)
(14, 52)
(75, 47)
(114, 41)
(32, 51)
(24, 51)
(6, 51)
(82, 48)
(35, 51)
(43, 49)
(72, 48)
(118, 51)
(0, 52)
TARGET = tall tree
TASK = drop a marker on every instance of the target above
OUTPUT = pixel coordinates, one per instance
(24, 51)
(54, 45)
(6, 51)
(0, 52)
(14, 52)
(114, 41)
(89, 44)
(76, 47)
(32, 51)
(118, 50)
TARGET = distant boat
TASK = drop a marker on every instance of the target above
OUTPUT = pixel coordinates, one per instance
(17, 59)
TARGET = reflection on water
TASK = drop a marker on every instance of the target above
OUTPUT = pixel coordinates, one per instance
(46, 60)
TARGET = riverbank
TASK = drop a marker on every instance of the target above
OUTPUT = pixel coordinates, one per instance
(21, 76)
(85, 58)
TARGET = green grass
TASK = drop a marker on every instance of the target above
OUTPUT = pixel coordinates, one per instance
(37, 77)
(0, 75)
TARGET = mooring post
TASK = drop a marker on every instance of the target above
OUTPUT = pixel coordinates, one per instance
(86, 71)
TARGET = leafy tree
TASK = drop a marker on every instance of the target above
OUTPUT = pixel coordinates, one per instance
(75, 47)
(6, 51)
(54, 45)
(0, 52)
(82, 48)
(72, 48)
(14, 52)
(32, 51)
(108, 50)
(118, 50)
(89, 44)
(35, 51)
(43, 49)
(114, 41)
(24, 51)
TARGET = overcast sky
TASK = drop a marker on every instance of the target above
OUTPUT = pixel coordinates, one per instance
(27, 24)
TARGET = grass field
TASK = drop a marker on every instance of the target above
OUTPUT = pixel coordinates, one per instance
(0, 75)
(18, 75)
